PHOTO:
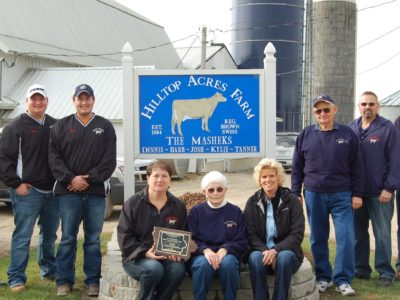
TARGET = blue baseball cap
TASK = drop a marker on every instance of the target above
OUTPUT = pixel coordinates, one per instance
(83, 88)
(323, 98)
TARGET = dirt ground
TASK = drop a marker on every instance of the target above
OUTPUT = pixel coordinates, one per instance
(240, 187)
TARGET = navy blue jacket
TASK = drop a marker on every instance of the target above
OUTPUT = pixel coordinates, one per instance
(381, 155)
(328, 161)
(216, 228)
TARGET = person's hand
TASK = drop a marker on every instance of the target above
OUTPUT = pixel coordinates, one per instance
(300, 199)
(174, 258)
(221, 253)
(152, 255)
(356, 202)
(23, 189)
(78, 183)
(212, 258)
(269, 257)
(385, 196)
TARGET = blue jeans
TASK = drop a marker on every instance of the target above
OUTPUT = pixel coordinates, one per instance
(158, 278)
(319, 206)
(75, 208)
(203, 273)
(398, 229)
(381, 216)
(26, 210)
(287, 263)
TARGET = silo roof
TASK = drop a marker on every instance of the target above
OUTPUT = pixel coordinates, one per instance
(82, 32)
(60, 84)
(392, 100)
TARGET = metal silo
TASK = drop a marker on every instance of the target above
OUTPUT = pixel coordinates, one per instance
(330, 55)
(257, 22)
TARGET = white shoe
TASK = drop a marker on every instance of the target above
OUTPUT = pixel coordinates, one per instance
(345, 289)
(323, 285)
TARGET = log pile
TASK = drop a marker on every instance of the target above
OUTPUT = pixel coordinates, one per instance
(191, 199)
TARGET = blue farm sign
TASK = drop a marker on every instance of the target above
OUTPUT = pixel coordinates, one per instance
(198, 114)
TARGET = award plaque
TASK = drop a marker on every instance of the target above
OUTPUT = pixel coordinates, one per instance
(173, 242)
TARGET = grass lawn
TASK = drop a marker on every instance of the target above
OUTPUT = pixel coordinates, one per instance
(43, 289)
(39, 289)
(365, 289)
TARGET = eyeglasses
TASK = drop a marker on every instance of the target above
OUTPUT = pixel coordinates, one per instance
(370, 104)
(219, 189)
(326, 110)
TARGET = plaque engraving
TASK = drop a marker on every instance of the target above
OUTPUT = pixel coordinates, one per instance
(169, 241)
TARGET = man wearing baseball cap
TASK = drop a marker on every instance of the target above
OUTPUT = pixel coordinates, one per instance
(82, 155)
(24, 168)
(327, 164)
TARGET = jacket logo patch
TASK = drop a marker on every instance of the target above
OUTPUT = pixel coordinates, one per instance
(342, 141)
(172, 220)
(34, 130)
(373, 139)
(98, 131)
(230, 224)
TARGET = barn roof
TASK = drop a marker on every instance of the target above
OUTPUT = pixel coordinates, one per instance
(60, 84)
(82, 32)
(391, 100)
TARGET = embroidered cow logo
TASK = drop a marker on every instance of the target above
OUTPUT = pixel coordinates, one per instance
(373, 139)
(230, 224)
(342, 141)
(172, 220)
(98, 131)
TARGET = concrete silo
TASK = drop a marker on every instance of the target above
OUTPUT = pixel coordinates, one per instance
(330, 55)
(257, 22)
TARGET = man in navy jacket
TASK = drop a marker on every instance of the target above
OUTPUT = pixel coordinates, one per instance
(380, 151)
(327, 162)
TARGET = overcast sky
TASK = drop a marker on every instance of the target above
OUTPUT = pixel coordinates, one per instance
(378, 34)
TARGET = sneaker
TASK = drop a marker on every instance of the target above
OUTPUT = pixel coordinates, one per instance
(64, 289)
(384, 282)
(397, 277)
(345, 289)
(92, 290)
(323, 285)
(19, 288)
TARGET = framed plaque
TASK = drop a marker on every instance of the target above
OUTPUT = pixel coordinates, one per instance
(169, 241)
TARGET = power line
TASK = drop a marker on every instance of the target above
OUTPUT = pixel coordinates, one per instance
(382, 63)
(187, 51)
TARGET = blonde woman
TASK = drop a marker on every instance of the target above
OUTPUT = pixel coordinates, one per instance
(275, 229)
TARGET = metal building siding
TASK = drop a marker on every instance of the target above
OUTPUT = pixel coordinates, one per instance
(60, 84)
(82, 27)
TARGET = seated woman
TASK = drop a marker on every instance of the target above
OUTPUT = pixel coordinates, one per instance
(218, 229)
(275, 229)
(159, 276)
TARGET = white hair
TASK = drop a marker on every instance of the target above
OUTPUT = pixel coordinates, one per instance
(213, 177)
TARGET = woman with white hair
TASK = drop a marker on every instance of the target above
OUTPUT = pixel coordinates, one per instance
(275, 229)
(218, 229)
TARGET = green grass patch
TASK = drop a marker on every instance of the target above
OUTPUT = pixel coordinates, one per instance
(365, 289)
(38, 289)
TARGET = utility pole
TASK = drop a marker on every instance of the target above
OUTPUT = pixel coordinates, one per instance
(203, 46)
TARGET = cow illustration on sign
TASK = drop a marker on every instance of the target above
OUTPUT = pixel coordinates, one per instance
(203, 108)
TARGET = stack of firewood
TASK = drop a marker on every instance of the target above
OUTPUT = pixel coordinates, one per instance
(191, 199)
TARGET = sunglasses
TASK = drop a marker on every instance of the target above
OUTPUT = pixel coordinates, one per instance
(219, 189)
(370, 104)
(326, 110)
